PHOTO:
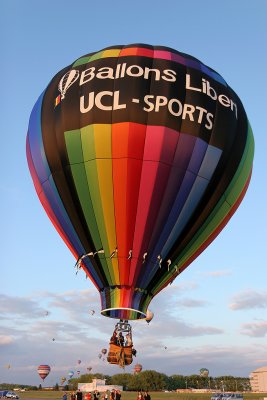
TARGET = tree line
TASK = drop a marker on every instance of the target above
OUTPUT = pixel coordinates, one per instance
(151, 380)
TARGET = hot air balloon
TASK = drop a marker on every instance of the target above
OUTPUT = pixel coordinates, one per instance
(43, 371)
(204, 372)
(78, 372)
(89, 369)
(140, 155)
(70, 374)
(149, 316)
(137, 368)
(104, 351)
(79, 361)
(63, 380)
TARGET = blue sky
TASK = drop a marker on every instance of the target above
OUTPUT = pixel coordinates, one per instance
(214, 314)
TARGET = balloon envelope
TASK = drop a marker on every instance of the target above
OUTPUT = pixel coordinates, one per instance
(70, 374)
(140, 155)
(149, 316)
(204, 372)
(138, 368)
(43, 371)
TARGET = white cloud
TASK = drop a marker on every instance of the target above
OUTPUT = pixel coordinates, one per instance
(4, 340)
(219, 273)
(192, 303)
(258, 329)
(20, 307)
(249, 299)
(79, 335)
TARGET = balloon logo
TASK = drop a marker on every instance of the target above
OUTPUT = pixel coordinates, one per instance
(43, 371)
(66, 81)
(139, 168)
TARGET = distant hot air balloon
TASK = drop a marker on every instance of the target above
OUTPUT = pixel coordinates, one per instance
(137, 368)
(79, 361)
(43, 371)
(89, 369)
(8, 366)
(63, 380)
(70, 374)
(149, 316)
(140, 155)
(92, 312)
(78, 372)
(104, 351)
(204, 372)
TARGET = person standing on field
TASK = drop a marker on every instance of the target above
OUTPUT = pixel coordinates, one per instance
(73, 396)
(79, 395)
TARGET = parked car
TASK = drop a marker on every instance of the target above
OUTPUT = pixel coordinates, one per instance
(232, 396)
(11, 395)
(216, 396)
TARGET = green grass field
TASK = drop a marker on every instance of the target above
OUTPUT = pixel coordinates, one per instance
(57, 395)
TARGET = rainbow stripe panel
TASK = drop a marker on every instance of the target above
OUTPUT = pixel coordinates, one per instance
(161, 54)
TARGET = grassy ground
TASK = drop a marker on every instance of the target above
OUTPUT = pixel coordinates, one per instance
(57, 395)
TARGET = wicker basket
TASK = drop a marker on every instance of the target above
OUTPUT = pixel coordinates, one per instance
(120, 355)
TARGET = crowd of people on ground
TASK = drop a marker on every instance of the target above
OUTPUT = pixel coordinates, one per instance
(143, 396)
(96, 395)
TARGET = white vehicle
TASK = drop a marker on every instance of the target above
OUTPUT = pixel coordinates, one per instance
(226, 396)
(216, 396)
(234, 396)
(11, 395)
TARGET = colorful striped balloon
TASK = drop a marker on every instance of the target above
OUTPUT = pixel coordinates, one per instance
(43, 371)
(137, 368)
(140, 155)
(70, 374)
